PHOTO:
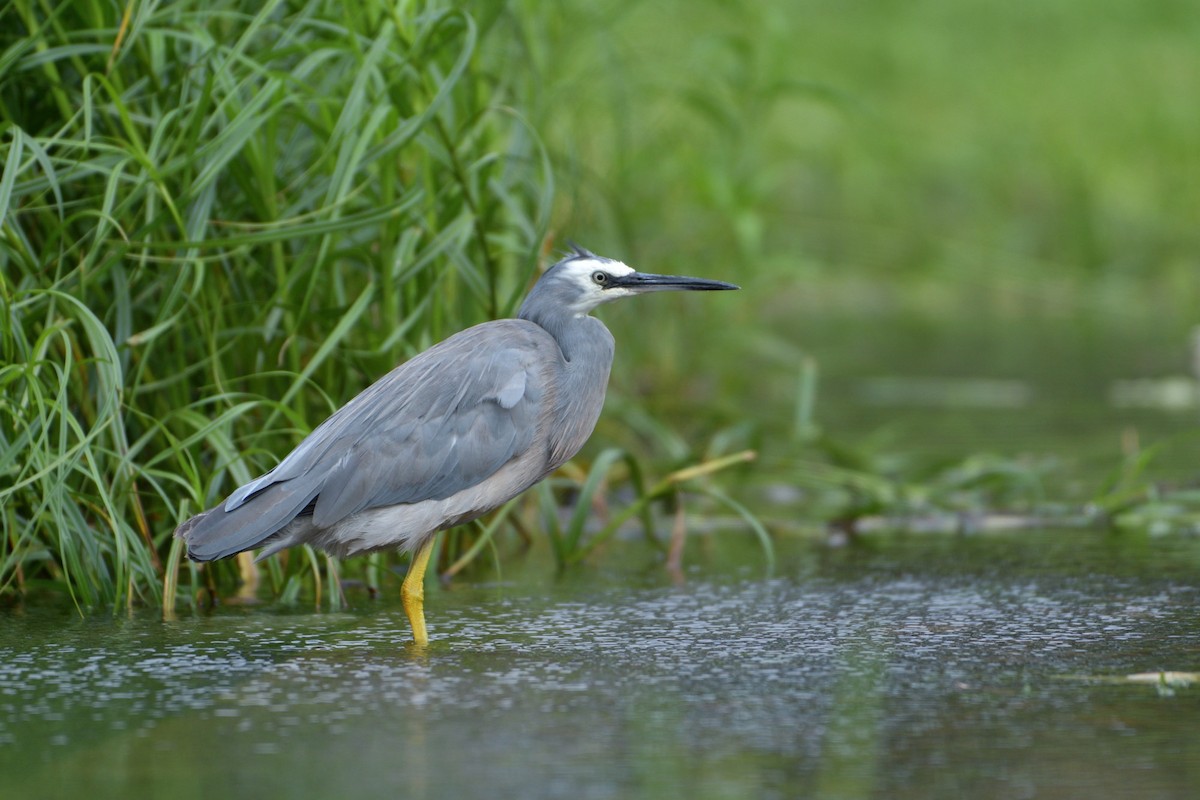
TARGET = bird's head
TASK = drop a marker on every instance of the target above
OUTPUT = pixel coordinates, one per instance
(583, 280)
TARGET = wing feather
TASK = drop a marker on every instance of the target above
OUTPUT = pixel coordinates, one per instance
(437, 424)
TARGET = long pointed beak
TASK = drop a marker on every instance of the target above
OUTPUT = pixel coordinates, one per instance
(649, 282)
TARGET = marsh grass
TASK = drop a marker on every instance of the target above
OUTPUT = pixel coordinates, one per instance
(215, 227)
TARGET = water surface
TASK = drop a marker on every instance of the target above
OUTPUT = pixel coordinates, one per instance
(895, 667)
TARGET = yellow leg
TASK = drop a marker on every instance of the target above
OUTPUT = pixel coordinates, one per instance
(412, 592)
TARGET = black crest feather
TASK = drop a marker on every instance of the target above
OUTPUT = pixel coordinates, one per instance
(581, 251)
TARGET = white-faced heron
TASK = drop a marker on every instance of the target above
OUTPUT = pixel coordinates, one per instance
(445, 437)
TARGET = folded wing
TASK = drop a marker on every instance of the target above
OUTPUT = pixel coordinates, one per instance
(437, 424)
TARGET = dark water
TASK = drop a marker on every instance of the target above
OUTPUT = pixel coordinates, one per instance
(895, 667)
(1080, 392)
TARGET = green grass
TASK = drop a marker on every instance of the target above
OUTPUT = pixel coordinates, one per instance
(217, 227)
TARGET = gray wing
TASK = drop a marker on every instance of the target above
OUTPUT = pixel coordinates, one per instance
(437, 424)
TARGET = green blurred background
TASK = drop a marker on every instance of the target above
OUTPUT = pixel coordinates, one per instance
(910, 192)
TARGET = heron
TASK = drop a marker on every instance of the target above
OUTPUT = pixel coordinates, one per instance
(446, 437)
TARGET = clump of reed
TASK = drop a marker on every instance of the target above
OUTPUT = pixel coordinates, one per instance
(216, 226)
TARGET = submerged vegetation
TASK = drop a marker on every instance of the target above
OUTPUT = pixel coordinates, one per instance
(217, 225)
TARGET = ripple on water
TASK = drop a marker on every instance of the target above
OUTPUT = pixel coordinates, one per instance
(762, 666)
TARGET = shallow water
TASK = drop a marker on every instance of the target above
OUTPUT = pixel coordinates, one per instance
(895, 667)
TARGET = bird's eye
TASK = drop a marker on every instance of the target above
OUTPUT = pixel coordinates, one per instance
(600, 278)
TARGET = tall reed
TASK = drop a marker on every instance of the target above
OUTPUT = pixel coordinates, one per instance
(215, 227)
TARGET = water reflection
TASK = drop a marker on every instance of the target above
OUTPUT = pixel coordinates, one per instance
(909, 668)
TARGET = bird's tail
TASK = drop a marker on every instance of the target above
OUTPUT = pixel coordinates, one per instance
(218, 533)
(207, 539)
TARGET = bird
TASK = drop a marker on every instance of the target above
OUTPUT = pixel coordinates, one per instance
(445, 437)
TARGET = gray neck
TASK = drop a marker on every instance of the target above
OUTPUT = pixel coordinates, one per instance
(587, 349)
(549, 305)
(570, 331)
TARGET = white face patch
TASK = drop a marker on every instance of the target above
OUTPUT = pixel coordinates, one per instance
(582, 271)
